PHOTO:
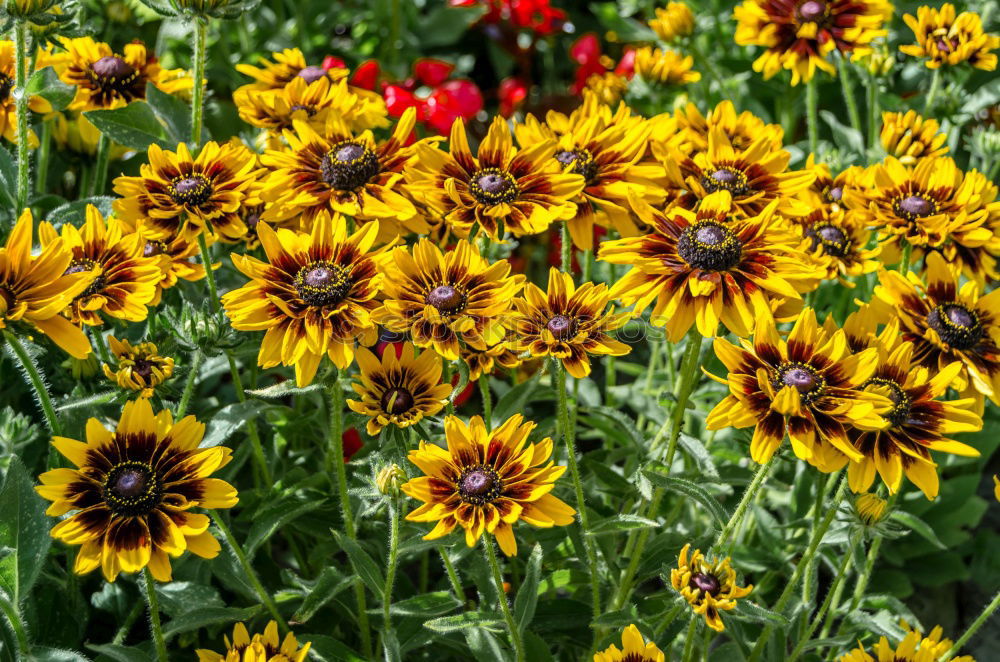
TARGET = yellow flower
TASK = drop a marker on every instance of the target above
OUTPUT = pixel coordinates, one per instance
(177, 255)
(267, 647)
(486, 482)
(799, 37)
(608, 87)
(483, 361)
(398, 391)
(947, 40)
(708, 586)
(313, 297)
(913, 648)
(177, 194)
(664, 67)
(567, 323)
(840, 243)
(673, 21)
(132, 490)
(34, 290)
(688, 130)
(441, 299)
(106, 79)
(910, 137)
(870, 508)
(288, 65)
(389, 479)
(125, 280)
(634, 649)
(8, 113)
(996, 487)
(139, 367)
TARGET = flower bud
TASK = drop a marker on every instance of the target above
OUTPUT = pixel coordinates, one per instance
(870, 508)
(389, 479)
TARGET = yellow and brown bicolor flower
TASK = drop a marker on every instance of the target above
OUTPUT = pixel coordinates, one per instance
(918, 420)
(947, 39)
(132, 491)
(913, 648)
(288, 65)
(606, 151)
(502, 188)
(673, 21)
(267, 647)
(336, 171)
(947, 323)
(634, 647)
(445, 299)
(910, 137)
(35, 289)
(567, 323)
(704, 268)
(708, 586)
(8, 113)
(687, 130)
(483, 361)
(825, 196)
(313, 297)
(799, 36)
(125, 279)
(178, 255)
(808, 387)
(177, 194)
(105, 79)
(754, 177)
(398, 391)
(138, 367)
(486, 481)
(659, 66)
(839, 242)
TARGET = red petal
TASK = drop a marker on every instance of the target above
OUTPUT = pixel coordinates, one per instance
(431, 71)
(366, 75)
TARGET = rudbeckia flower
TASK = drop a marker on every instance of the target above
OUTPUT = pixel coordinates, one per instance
(486, 482)
(132, 491)
(441, 299)
(287, 65)
(177, 262)
(688, 130)
(657, 66)
(399, 391)
(913, 648)
(34, 290)
(673, 21)
(634, 648)
(702, 268)
(870, 508)
(808, 387)
(313, 296)
(840, 243)
(708, 586)
(138, 367)
(567, 323)
(482, 362)
(8, 112)
(947, 40)
(910, 137)
(267, 647)
(522, 191)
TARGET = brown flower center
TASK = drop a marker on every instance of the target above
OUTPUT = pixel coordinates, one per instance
(900, 411)
(83, 265)
(958, 326)
(322, 283)
(191, 190)
(349, 165)
(6, 85)
(835, 194)
(312, 73)
(112, 68)
(562, 327)
(709, 246)
(812, 10)
(131, 489)
(801, 377)
(492, 186)
(397, 401)
(582, 160)
(706, 583)
(833, 240)
(446, 299)
(154, 248)
(143, 368)
(728, 178)
(915, 206)
(479, 484)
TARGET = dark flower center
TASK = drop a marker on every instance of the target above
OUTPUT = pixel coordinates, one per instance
(803, 378)
(800, 378)
(835, 194)
(959, 327)
(349, 165)
(309, 110)
(446, 299)
(397, 401)
(562, 327)
(900, 411)
(915, 206)
(312, 73)
(492, 186)
(143, 368)
(709, 246)
(479, 485)
(82, 265)
(112, 68)
(191, 190)
(154, 248)
(725, 177)
(131, 489)
(322, 283)
(582, 160)
(812, 10)
(705, 582)
(833, 240)
(6, 85)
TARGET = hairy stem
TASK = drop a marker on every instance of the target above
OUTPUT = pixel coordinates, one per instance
(248, 570)
(508, 617)
(21, 111)
(198, 92)
(36, 380)
(154, 617)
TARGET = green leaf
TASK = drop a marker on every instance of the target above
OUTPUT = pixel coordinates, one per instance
(134, 125)
(283, 390)
(702, 457)
(101, 398)
(689, 489)
(121, 653)
(918, 526)
(24, 530)
(328, 649)
(8, 178)
(469, 619)
(46, 84)
(46, 654)
(328, 585)
(363, 565)
(75, 212)
(427, 604)
(619, 523)
(515, 399)
(225, 422)
(620, 421)
(753, 612)
(536, 648)
(179, 598)
(174, 113)
(274, 515)
(205, 616)
(527, 592)
(446, 25)
(627, 29)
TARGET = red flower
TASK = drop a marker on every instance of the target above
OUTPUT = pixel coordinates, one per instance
(432, 72)
(366, 75)
(333, 62)
(536, 15)
(446, 101)
(451, 100)
(352, 443)
(512, 92)
(586, 51)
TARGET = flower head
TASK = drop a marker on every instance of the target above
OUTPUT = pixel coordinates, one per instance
(309, 102)
(486, 481)
(132, 491)
(913, 648)
(673, 21)
(483, 361)
(287, 65)
(708, 586)
(138, 367)
(870, 508)
(398, 391)
(910, 137)
(8, 112)
(634, 648)
(664, 67)
(267, 647)
(947, 39)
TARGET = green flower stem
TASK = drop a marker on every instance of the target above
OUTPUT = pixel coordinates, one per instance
(566, 248)
(196, 358)
(37, 382)
(748, 496)
(831, 594)
(198, 91)
(812, 119)
(449, 567)
(206, 260)
(847, 86)
(786, 595)
(16, 625)
(126, 627)
(100, 180)
(689, 638)
(100, 345)
(566, 430)
(512, 629)
(446, 374)
(335, 464)
(932, 92)
(484, 388)
(248, 570)
(667, 620)
(904, 260)
(390, 572)
(44, 153)
(154, 617)
(972, 629)
(874, 133)
(21, 111)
